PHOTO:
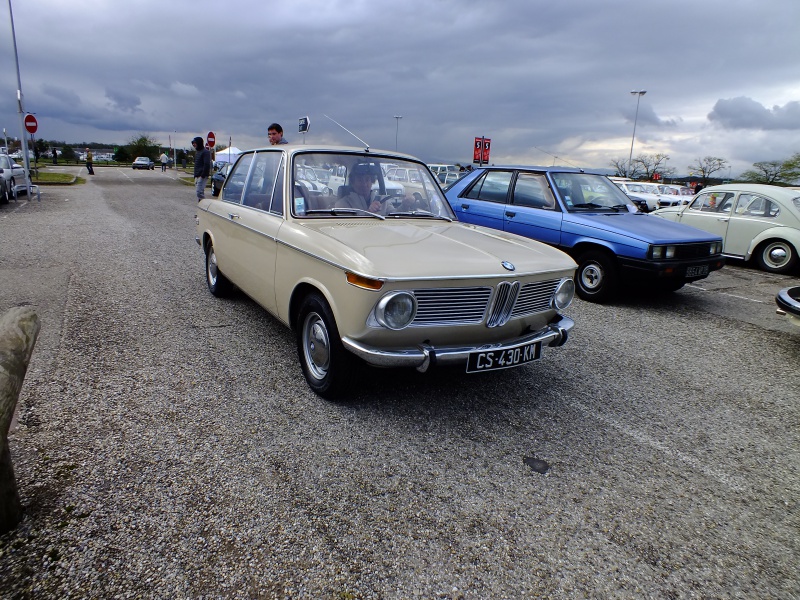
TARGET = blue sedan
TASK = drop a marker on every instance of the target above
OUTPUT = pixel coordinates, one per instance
(591, 219)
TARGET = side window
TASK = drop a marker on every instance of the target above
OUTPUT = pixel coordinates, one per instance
(750, 205)
(234, 186)
(262, 180)
(277, 195)
(532, 190)
(713, 202)
(492, 187)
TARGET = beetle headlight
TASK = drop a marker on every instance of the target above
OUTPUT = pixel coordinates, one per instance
(396, 309)
(564, 294)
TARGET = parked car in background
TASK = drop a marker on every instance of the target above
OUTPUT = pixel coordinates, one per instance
(674, 195)
(756, 221)
(640, 193)
(441, 169)
(412, 179)
(11, 173)
(407, 286)
(590, 218)
(218, 178)
(142, 162)
(5, 195)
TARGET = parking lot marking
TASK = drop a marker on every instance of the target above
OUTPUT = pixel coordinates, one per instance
(697, 287)
(734, 483)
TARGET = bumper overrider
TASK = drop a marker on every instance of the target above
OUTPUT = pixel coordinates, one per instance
(425, 356)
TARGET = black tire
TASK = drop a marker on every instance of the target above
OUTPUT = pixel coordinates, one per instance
(776, 256)
(3, 194)
(219, 285)
(326, 365)
(596, 279)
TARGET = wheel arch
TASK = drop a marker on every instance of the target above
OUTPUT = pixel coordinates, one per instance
(774, 234)
(299, 293)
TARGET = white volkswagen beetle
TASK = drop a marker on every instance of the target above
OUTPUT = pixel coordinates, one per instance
(756, 221)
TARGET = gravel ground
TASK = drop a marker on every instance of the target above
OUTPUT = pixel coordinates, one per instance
(168, 447)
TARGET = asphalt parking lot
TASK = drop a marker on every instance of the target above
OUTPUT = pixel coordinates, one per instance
(167, 445)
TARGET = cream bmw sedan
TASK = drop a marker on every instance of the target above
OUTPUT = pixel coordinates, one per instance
(360, 274)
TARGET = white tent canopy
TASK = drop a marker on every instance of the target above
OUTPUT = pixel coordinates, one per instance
(228, 155)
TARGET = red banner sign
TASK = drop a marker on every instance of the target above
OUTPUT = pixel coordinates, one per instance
(481, 150)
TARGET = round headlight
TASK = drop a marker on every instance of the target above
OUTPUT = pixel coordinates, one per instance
(396, 309)
(565, 292)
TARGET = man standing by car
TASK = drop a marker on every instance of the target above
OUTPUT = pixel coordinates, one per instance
(89, 162)
(275, 133)
(202, 167)
(164, 159)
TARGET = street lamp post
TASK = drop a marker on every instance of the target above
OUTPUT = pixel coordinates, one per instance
(397, 130)
(638, 94)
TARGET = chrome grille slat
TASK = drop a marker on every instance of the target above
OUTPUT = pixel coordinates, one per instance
(470, 306)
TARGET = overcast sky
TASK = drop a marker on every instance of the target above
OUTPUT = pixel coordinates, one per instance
(541, 79)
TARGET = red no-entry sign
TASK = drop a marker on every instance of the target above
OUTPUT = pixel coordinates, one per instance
(211, 139)
(31, 124)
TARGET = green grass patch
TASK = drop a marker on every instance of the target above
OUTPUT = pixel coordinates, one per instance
(45, 177)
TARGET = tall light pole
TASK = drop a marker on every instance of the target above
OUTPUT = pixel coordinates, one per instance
(638, 95)
(397, 130)
(20, 108)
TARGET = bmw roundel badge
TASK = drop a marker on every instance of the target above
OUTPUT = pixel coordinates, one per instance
(507, 265)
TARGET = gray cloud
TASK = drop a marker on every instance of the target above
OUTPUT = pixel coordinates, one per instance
(530, 75)
(746, 113)
(123, 100)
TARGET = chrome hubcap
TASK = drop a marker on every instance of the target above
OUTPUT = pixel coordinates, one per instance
(592, 276)
(316, 346)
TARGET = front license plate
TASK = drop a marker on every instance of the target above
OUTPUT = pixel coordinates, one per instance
(697, 271)
(492, 360)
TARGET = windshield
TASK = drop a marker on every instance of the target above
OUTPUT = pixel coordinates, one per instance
(344, 185)
(584, 191)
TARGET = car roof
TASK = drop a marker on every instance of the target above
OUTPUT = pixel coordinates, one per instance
(757, 188)
(303, 148)
(538, 168)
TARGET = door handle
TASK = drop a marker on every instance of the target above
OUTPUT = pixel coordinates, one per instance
(511, 215)
(723, 219)
(233, 216)
(465, 206)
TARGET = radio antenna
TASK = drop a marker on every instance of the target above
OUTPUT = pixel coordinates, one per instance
(366, 145)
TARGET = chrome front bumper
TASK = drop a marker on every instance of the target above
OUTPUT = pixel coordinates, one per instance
(423, 356)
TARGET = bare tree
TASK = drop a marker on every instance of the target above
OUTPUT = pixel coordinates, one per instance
(624, 168)
(650, 163)
(764, 172)
(707, 166)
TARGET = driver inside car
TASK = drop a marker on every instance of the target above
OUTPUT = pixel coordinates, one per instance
(362, 177)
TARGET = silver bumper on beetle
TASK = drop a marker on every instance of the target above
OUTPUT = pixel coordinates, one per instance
(423, 356)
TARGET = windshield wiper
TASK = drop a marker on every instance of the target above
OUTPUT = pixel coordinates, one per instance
(588, 205)
(419, 213)
(343, 211)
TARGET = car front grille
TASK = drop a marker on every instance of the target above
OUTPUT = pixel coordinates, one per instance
(473, 305)
(690, 251)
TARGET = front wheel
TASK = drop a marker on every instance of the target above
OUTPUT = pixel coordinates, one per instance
(327, 366)
(219, 285)
(776, 256)
(596, 277)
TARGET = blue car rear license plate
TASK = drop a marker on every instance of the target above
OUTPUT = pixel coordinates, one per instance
(492, 360)
(695, 271)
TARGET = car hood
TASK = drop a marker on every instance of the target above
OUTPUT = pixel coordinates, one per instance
(643, 227)
(405, 249)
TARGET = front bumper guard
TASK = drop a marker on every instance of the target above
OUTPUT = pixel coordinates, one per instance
(424, 356)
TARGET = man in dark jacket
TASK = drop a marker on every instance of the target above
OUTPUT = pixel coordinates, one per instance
(202, 167)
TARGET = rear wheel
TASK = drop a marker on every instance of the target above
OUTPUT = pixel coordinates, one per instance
(327, 366)
(776, 256)
(3, 193)
(218, 284)
(596, 278)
